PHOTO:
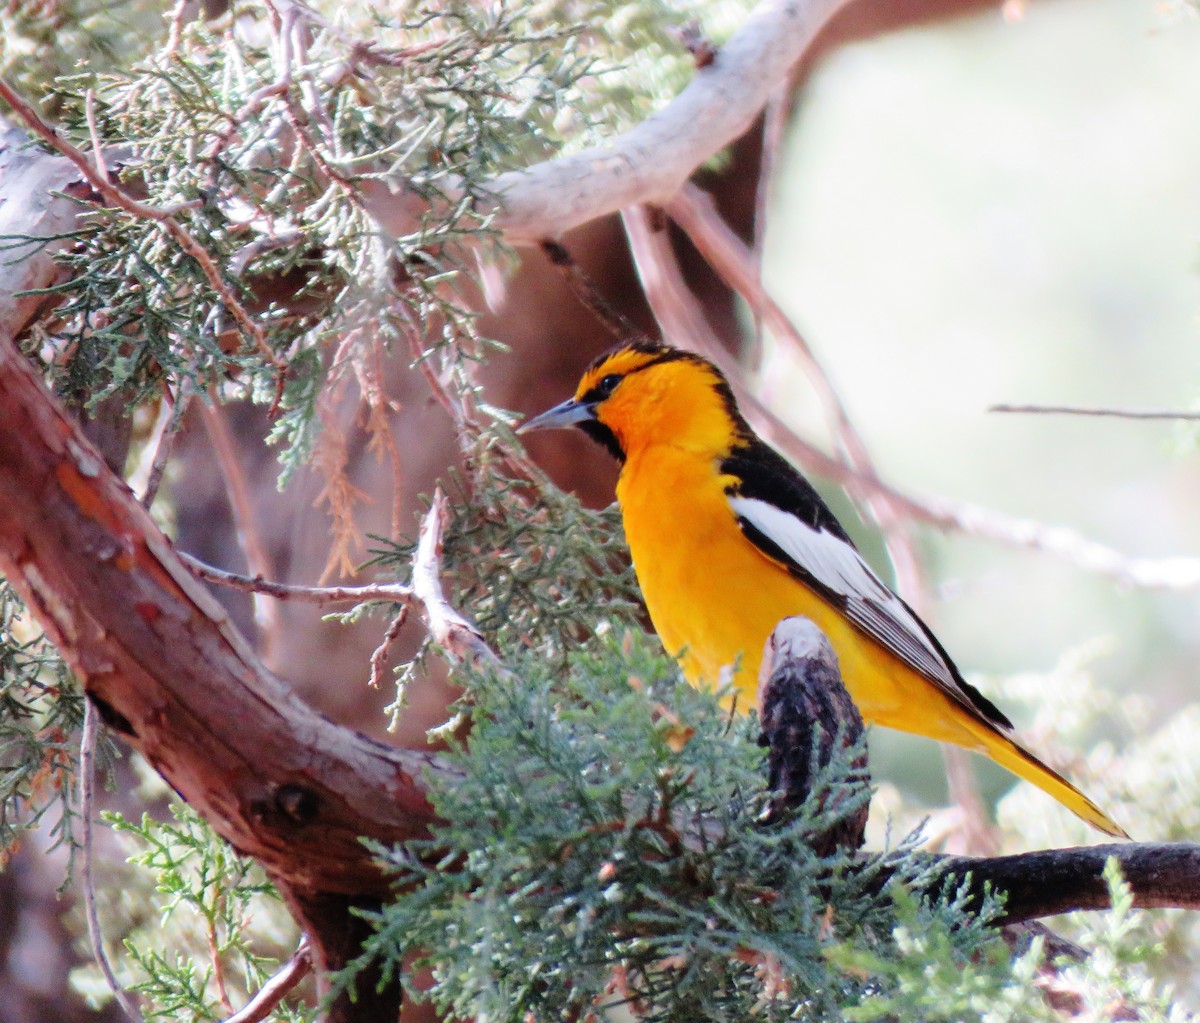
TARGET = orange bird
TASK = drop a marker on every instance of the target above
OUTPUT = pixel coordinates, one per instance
(727, 539)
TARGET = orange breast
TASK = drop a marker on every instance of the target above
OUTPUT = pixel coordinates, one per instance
(714, 598)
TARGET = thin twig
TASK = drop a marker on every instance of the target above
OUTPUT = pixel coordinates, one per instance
(218, 967)
(290, 23)
(618, 325)
(775, 120)
(380, 653)
(162, 440)
(454, 401)
(277, 988)
(87, 782)
(1090, 410)
(975, 832)
(266, 614)
(671, 300)
(421, 360)
(89, 106)
(394, 592)
(449, 629)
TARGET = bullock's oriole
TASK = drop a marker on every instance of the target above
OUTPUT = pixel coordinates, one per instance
(727, 539)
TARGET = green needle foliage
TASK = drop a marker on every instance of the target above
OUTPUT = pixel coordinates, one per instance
(41, 709)
(605, 846)
(603, 855)
(533, 567)
(214, 932)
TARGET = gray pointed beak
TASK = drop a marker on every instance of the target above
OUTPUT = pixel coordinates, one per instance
(566, 414)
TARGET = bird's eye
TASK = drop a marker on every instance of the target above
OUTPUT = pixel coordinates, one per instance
(608, 384)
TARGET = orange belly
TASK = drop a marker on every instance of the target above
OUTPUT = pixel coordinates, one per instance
(714, 598)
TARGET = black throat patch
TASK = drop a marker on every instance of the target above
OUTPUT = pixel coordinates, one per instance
(602, 435)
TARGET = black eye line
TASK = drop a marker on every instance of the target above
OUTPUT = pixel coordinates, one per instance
(604, 387)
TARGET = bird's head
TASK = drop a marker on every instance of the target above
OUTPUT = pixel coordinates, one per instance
(641, 394)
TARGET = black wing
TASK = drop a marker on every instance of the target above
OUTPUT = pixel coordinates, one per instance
(780, 513)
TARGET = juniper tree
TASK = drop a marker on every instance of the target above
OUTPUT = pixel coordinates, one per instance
(284, 206)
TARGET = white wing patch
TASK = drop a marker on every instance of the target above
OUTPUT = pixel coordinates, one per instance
(838, 568)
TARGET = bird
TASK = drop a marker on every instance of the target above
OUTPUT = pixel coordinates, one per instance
(727, 538)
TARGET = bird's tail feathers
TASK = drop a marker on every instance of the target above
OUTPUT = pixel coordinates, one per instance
(1009, 753)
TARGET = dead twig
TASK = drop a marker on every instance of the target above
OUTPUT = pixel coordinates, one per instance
(449, 629)
(775, 120)
(395, 592)
(285, 979)
(380, 653)
(588, 294)
(1091, 410)
(87, 784)
(266, 615)
(162, 440)
(89, 106)
(671, 301)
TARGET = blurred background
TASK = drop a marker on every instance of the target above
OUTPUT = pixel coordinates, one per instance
(1006, 209)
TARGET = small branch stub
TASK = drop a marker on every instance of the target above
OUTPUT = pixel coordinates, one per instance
(807, 717)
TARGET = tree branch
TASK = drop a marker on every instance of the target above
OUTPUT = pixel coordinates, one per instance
(158, 655)
(167, 671)
(1162, 875)
(393, 592)
(298, 966)
(649, 162)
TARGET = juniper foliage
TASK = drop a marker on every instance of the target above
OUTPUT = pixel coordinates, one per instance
(604, 853)
(212, 935)
(41, 709)
(604, 857)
